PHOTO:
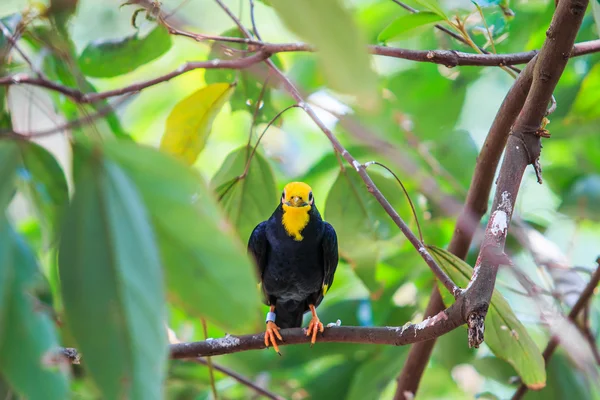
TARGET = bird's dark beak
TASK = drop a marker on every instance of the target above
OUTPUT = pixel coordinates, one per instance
(297, 201)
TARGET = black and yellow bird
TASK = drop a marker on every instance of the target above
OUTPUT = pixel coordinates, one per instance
(296, 253)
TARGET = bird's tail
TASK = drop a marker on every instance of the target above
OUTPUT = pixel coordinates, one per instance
(289, 314)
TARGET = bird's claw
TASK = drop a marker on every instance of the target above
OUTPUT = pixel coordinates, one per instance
(315, 326)
(271, 336)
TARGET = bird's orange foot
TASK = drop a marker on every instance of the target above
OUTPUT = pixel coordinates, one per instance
(315, 326)
(271, 336)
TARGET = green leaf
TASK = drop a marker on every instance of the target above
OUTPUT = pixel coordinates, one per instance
(407, 23)
(28, 339)
(564, 382)
(111, 283)
(457, 154)
(42, 180)
(582, 200)
(248, 201)
(495, 368)
(364, 229)
(375, 373)
(596, 13)
(248, 82)
(208, 271)
(504, 334)
(109, 58)
(433, 5)
(10, 22)
(340, 43)
(9, 161)
(190, 121)
(585, 106)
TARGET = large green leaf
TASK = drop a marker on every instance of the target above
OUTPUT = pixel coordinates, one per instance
(208, 271)
(9, 161)
(406, 23)
(108, 58)
(364, 228)
(28, 339)
(340, 44)
(42, 180)
(504, 334)
(248, 201)
(190, 121)
(111, 282)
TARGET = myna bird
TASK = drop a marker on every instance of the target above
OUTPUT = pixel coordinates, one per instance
(296, 253)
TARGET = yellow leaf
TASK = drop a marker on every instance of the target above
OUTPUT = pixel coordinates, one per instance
(190, 121)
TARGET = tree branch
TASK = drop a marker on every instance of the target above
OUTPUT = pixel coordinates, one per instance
(85, 98)
(581, 303)
(523, 148)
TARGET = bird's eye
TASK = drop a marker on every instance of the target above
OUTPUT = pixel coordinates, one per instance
(310, 197)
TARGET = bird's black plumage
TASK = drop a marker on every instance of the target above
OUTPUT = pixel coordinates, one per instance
(294, 273)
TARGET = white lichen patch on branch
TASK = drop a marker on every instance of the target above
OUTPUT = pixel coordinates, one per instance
(474, 276)
(224, 343)
(356, 165)
(505, 203)
(499, 223)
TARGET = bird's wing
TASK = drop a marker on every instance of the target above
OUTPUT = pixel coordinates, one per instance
(258, 247)
(330, 256)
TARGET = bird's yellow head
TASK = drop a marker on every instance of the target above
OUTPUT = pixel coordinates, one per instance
(296, 200)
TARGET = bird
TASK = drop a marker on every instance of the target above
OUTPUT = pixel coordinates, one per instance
(296, 255)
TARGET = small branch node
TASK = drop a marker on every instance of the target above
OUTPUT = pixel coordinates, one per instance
(476, 324)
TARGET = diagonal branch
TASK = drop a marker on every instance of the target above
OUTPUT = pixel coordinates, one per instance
(468, 220)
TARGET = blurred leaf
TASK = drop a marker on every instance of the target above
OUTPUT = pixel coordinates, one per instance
(333, 382)
(452, 349)
(596, 13)
(330, 27)
(495, 368)
(457, 153)
(43, 181)
(583, 198)
(406, 23)
(586, 105)
(111, 283)
(421, 94)
(376, 373)
(28, 339)
(10, 22)
(248, 82)
(208, 271)
(374, 16)
(434, 6)
(61, 10)
(108, 58)
(9, 161)
(250, 200)
(504, 334)
(361, 222)
(190, 121)
(563, 382)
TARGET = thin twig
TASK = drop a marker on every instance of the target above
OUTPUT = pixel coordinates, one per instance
(412, 206)
(254, 22)
(240, 378)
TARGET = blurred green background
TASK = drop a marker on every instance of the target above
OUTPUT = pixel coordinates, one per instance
(436, 118)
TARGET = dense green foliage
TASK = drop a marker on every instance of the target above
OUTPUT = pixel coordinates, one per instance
(139, 219)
